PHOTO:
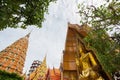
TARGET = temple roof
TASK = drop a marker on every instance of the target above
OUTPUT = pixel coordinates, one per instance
(54, 74)
(82, 30)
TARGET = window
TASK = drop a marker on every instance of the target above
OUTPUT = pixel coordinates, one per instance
(12, 52)
(13, 60)
(15, 54)
(0, 65)
(6, 58)
(23, 51)
(8, 68)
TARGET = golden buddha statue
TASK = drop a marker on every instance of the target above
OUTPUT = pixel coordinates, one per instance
(88, 62)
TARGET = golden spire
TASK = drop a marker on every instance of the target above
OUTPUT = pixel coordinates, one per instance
(40, 72)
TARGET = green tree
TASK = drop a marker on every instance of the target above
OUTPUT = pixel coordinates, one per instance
(9, 76)
(21, 13)
(104, 18)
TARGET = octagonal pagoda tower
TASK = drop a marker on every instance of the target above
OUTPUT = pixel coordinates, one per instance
(34, 65)
(13, 57)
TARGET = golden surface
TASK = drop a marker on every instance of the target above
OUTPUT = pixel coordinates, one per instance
(78, 63)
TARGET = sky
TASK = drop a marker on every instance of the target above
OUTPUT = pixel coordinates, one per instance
(50, 39)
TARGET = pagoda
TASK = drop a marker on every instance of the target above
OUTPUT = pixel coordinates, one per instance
(40, 72)
(34, 65)
(79, 61)
(12, 58)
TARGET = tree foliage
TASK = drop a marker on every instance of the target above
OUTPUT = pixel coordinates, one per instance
(9, 76)
(21, 13)
(104, 18)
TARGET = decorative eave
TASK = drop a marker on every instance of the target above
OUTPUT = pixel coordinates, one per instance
(82, 30)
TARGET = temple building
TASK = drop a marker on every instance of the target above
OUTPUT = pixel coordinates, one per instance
(80, 62)
(13, 57)
(53, 74)
(40, 72)
(34, 65)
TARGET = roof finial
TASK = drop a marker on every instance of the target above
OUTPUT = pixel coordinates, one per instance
(28, 34)
(68, 23)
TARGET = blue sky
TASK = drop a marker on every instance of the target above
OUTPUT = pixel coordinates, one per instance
(50, 39)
